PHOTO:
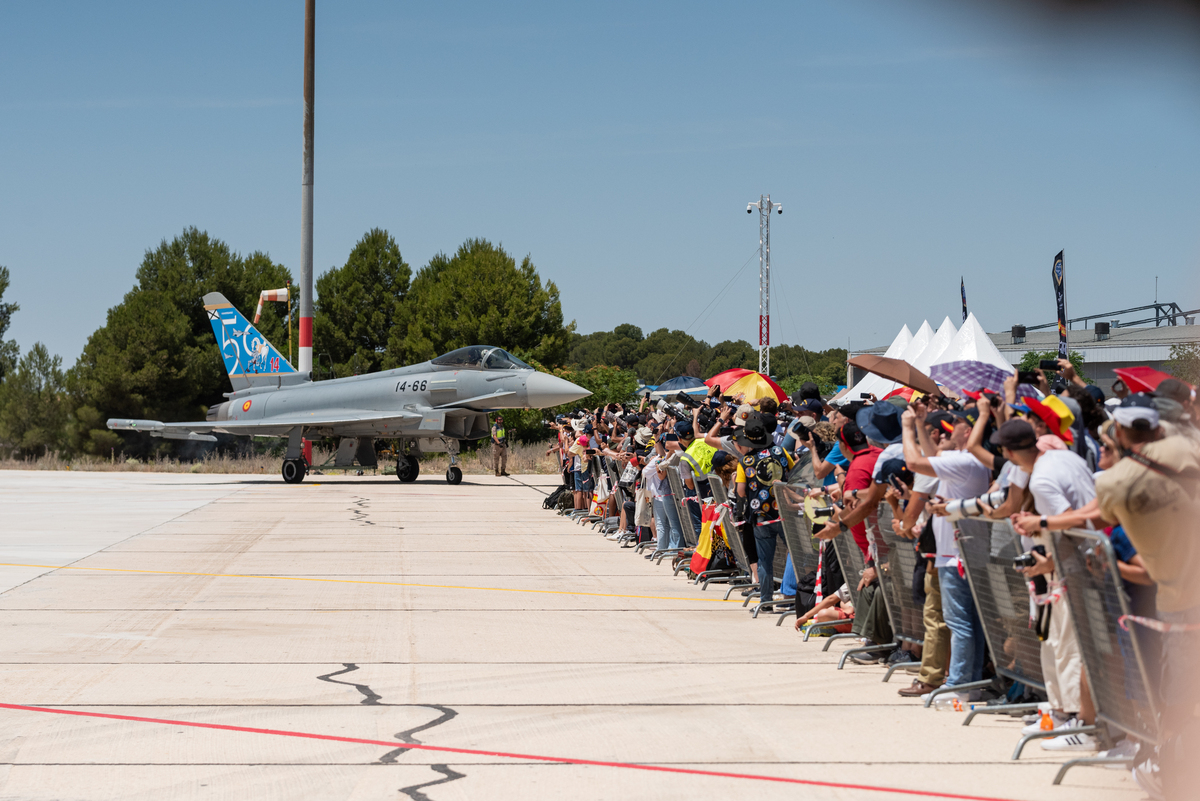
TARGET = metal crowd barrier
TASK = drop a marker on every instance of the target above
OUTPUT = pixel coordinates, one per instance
(618, 492)
(743, 579)
(686, 524)
(896, 562)
(585, 515)
(1117, 665)
(853, 564)
(986, 549)
(797, 533)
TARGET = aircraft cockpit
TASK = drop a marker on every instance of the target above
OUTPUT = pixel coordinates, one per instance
(481, 357)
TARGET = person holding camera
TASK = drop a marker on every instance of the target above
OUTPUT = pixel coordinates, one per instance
(1059, 481)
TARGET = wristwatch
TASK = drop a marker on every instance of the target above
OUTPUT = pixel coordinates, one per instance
(1044, 523)
(842, 527)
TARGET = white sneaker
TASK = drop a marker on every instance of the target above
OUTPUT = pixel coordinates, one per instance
(1036, 726)
(1071, 741)
(946, 700)
(1146, 776)
(1126, 749)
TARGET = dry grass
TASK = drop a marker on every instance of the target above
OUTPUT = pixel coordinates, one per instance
(521, 459)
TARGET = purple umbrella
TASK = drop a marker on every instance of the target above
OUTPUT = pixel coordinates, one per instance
(972, 376)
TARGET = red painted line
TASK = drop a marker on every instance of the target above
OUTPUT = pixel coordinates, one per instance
(505, 755)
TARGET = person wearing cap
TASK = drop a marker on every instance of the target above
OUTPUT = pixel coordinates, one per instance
(762, 464)
(827, 467)
(876, 427)
(960, 475)
(499, 447)
(1059, 481)
(1154, 493)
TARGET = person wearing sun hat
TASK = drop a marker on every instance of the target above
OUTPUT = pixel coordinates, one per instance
(1055, 415)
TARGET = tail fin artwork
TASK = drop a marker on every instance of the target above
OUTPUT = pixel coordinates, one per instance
(250, 360)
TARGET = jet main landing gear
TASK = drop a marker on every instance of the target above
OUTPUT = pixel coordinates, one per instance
(407, 468)
(294, 470)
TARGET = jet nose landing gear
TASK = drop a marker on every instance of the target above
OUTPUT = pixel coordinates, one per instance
(454, 475)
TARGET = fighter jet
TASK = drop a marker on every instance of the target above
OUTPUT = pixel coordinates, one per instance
(429, 407)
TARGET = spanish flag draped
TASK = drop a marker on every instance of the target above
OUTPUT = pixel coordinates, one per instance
(710, 530)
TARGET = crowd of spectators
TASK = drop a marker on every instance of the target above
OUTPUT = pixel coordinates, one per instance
(1069, 458)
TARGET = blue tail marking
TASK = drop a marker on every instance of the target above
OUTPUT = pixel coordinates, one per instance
(244, 349)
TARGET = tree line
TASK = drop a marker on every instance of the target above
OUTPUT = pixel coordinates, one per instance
(156, 357)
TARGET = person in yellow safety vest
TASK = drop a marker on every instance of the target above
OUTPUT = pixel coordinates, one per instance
(695, 463)
(499, 447)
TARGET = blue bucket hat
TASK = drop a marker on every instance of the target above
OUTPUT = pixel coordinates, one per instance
(881, 423)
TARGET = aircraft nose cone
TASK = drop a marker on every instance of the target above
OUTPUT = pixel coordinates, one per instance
(543, 390)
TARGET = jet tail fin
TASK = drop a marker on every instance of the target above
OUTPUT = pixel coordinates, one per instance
(250, 360)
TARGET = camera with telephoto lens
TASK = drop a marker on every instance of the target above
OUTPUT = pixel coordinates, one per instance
(687, 400)
(959, 508)
(820, 512)
(670, 410)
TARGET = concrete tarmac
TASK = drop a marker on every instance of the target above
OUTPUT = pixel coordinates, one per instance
(459, 617)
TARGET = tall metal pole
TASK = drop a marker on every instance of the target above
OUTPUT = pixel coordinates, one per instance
(306, 196)
(765, 207)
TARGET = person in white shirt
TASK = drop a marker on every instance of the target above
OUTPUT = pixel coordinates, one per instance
(960, 475)
(1059, 481)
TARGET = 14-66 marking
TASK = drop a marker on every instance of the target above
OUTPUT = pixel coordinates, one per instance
(414, 386)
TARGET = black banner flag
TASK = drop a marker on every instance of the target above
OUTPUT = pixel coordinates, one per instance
(1060, 295)
(962, 285)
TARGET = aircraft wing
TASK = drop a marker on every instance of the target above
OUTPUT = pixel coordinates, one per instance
(276, 426)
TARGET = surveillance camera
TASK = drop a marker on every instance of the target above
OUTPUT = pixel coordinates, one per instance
(780, 211)
(748, 210)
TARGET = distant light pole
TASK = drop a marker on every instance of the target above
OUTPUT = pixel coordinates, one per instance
(306, 194)
(765, 207)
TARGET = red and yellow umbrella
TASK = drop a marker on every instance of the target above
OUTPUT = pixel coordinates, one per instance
(753, 385)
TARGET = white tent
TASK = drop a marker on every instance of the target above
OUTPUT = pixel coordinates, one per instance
(972, 343)
(937, 346)
(899, 343)
(879, 386)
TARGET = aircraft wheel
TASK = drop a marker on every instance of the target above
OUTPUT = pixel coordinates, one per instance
(407, 468)
(294, 470)
(454, 475)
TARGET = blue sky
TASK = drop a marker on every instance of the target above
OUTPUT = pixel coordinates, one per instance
(618, 144)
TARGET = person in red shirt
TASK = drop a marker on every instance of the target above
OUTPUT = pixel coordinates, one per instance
(859, 492)
(861, 496)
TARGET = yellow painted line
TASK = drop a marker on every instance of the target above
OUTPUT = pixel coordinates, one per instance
(381, 583)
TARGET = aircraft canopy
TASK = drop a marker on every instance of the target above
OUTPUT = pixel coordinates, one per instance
(481, 357)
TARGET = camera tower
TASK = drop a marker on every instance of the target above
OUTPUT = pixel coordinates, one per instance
(765, 207)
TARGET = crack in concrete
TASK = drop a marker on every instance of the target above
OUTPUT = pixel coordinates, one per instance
(372, 698)
(414, 791)
(406, 736)
(360, 514)
(369, 696)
